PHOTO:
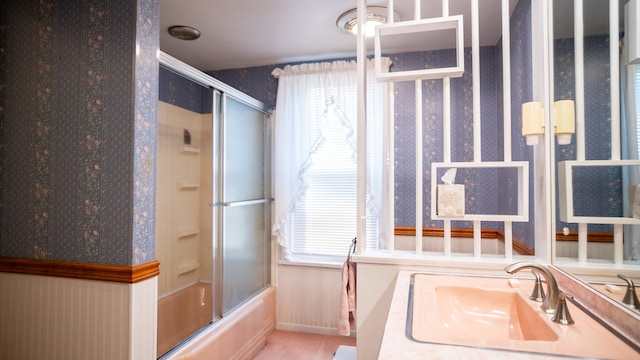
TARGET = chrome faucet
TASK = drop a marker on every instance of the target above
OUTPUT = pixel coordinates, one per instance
(630, 298)
(550, 303)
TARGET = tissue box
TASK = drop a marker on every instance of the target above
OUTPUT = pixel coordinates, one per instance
(634, 201)
(450, 200)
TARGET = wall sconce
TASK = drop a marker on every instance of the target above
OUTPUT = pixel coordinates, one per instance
(532, 122)
(564, 120)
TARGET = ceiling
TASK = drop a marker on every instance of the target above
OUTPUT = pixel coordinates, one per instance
(595, 19)
(248, 33)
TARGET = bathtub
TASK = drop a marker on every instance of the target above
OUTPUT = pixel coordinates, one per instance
(240, 335)
(182, 313)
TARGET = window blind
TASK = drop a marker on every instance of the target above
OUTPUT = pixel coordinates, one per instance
(324, 221)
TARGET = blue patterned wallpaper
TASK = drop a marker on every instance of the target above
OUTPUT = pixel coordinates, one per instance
(177, 90)
(78, 130)
(521, 92)
(147, 43)
(597, 190)
(481, 186)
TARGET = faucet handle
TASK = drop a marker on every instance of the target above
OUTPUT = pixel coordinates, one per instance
(562, 315)
(538, 291)
(630, 298)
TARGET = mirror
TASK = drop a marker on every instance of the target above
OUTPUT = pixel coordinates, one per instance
(596, 192)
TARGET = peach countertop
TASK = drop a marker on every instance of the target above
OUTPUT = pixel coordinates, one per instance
(395, 345)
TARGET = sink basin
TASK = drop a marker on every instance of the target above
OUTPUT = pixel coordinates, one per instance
(478, 314)
(485, 312)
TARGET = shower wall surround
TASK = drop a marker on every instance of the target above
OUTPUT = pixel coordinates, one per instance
(78, 130)
(487, 192)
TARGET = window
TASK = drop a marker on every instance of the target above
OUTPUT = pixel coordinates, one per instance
(315, 135)
(324, 220)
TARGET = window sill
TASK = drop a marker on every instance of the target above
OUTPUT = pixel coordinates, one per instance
(314, 261)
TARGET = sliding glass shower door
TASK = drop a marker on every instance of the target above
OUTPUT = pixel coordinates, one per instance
(242, 202)
(212, 202)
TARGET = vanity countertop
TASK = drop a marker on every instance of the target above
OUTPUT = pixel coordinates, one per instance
(395, 345)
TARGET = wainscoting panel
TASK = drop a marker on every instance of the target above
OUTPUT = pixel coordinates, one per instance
(45, 317)
(308, 298)
(458, 245)
(595, 250)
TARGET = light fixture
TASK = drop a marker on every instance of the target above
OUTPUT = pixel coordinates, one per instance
(184, 32)
(532, 122)
(376, 15)
(564, 115)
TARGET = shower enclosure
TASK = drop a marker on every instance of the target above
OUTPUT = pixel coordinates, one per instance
(212, 201)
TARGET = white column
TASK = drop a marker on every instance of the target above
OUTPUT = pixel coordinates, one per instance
(506, 79)
(446, 136)
(508, 240)
(578, 31)
(506, 88)
(475, 65)
(618, 247)
(361, 67)
(419, 177)
(477, 123)
(391, 169)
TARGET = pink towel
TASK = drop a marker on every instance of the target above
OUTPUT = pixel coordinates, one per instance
(347, 298)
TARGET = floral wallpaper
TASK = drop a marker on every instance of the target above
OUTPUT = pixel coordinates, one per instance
(146, 130)
(521, 92)
(3, 104)
(42, 139)
(177, 90)
(77, 130)
(479, 185)
(597, 190)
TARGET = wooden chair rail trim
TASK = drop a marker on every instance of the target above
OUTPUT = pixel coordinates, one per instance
(605, 237)
(78, 270)
(439, 232)
(137, 273)
(519, 246)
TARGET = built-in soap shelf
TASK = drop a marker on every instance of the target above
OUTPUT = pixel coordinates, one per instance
(188, 150)
(565, 192)
(186, 268)
(523, 190)
(187, 186)
(185, 233)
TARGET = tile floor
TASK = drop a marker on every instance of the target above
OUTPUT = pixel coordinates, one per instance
(289, 345)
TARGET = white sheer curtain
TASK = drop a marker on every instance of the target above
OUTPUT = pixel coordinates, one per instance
(630, 119)
(306, 92)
